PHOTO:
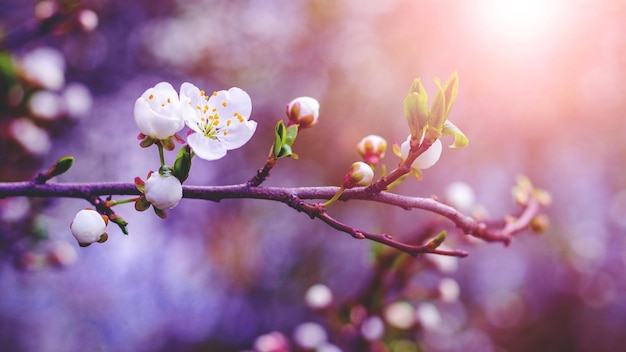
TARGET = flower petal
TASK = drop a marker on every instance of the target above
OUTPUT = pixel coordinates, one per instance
(429, 157)
(153, 124)
(206, 148)
(157, 112)
(238, 134)
(232, 102)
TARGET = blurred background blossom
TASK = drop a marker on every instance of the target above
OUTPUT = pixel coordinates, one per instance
(542, 87)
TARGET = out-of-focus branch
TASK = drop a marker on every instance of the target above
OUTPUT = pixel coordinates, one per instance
(295, 198)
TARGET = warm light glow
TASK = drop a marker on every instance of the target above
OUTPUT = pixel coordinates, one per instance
(518, 20)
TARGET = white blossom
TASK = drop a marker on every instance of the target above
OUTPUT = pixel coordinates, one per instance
(157, 112)
(219, 121)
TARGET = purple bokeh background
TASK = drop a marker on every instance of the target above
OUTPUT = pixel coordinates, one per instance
(541, 95)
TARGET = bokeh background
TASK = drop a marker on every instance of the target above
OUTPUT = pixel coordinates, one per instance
(541, 93)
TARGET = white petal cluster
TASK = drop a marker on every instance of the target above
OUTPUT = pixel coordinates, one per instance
(157, 112)
(219, 122)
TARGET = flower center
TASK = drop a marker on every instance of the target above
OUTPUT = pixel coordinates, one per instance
(209, 122)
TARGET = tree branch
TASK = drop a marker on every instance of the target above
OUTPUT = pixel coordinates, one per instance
(295, 198)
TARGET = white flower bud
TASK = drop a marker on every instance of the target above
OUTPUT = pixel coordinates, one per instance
(303, 111)
(157, 112)
(78, 100)
(163, 192)
(360, 174)
(309, 335)
(373, 328)
(372, 148)
(88, 20)
(88, 226)
(449, 290)
(62, 254)
(318, 297)
(44, 67)
(428, 316)
(35, 140)
(46, 105)
(460, 195)
(400, 315)
(426, 159)
(272, 342)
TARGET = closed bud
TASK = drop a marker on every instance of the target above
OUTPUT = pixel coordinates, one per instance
(303, 111)
(318, 296)
(163, 191)
(88, 227)
(372, 148)
(540, 223)
(360, 174)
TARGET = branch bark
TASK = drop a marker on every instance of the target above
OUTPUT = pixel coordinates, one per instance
(296, 198)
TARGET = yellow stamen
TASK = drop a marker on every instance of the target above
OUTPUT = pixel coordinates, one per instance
(228, 122)
(151, 96)
(224, 104)
(214, 94)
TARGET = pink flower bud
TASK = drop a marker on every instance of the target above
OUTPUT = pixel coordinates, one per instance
(360, 174)
(372, 148)
(303, 111)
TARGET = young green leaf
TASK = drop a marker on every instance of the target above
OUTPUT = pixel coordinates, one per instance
(460, 140)
(182, 165)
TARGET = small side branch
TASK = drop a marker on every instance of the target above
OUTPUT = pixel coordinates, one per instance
(263, 173)
(318, 211)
